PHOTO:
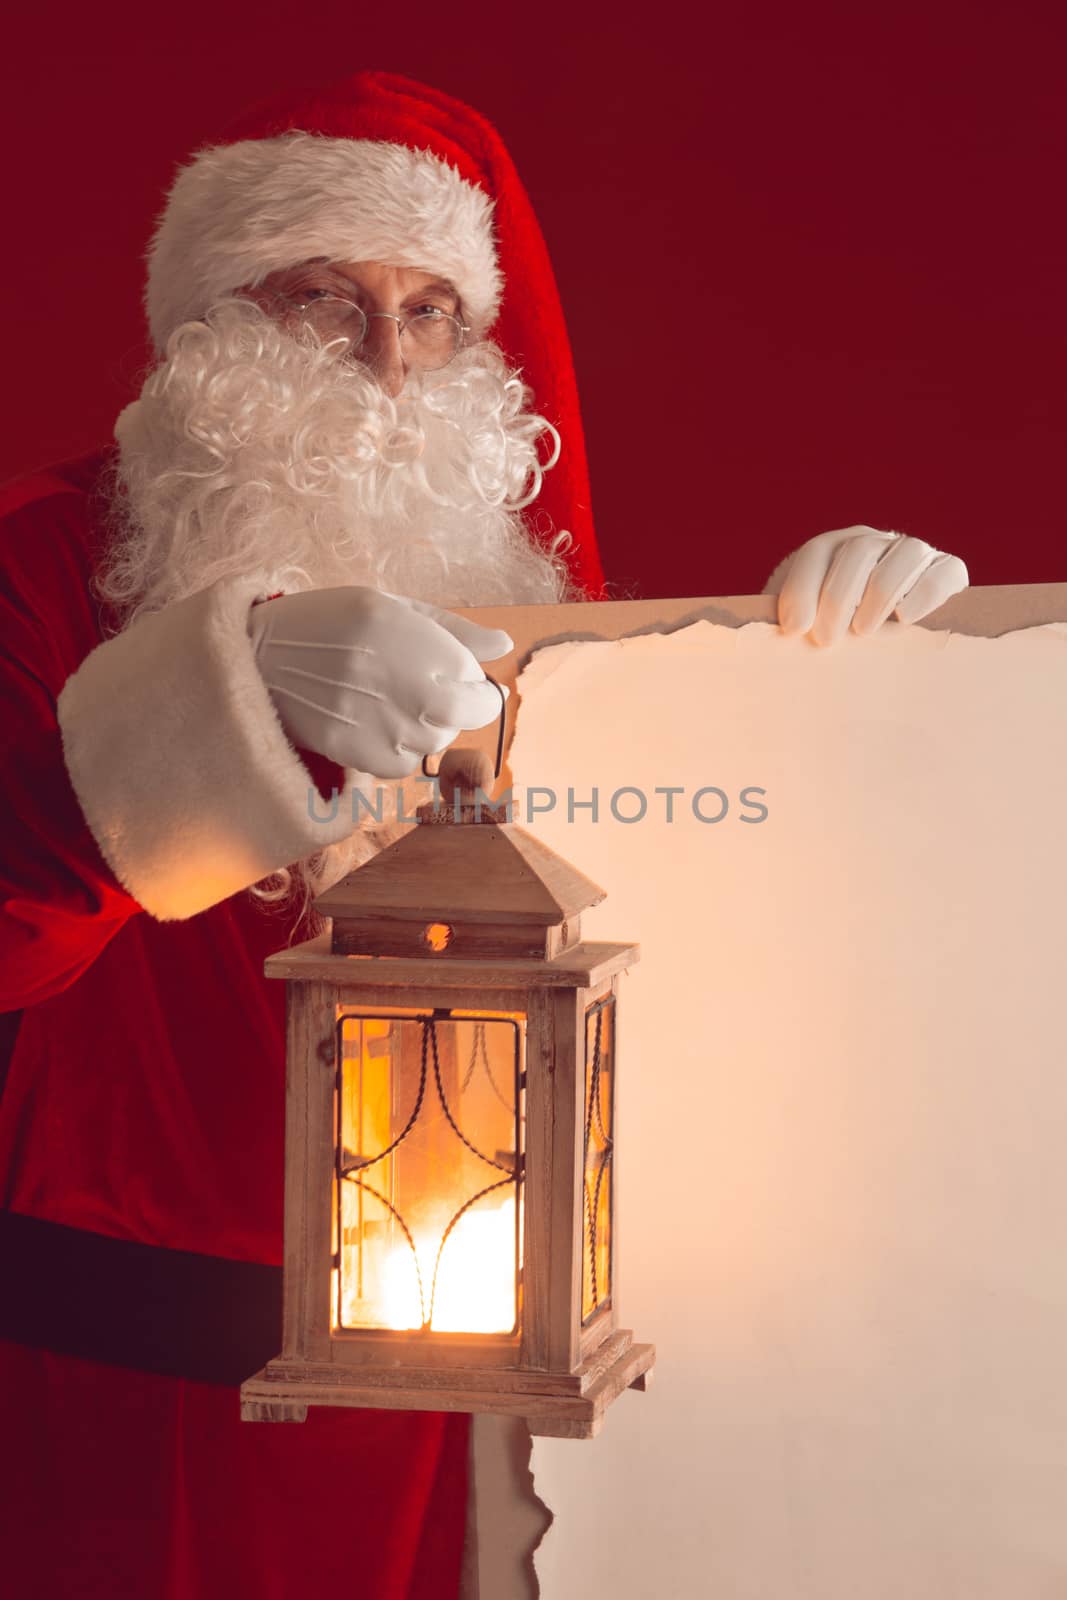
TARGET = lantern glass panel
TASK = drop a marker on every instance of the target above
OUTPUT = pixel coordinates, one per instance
(597, 1204)
(429, 1170)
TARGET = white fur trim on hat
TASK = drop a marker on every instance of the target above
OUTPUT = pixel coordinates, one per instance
(180, 764)
(239, 212)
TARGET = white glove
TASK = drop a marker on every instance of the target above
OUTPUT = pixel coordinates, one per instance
(370, 679)
(859, 576)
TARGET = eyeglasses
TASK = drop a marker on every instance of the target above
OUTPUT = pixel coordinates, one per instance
(433, 337)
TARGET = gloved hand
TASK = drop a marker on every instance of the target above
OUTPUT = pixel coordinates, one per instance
(859, 576)
(373, 680)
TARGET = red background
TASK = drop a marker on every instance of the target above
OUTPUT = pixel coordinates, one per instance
(813, 256)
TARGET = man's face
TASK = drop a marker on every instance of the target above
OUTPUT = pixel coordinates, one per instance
(383, 293)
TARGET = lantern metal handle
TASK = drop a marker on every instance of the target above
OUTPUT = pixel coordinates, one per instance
(499, 762)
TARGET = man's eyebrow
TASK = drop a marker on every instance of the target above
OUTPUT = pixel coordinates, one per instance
(439, 286)
(325, 267)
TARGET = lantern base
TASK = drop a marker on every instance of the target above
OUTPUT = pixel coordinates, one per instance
(563, 1406)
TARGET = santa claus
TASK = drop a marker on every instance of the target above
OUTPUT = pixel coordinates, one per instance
(341, 439)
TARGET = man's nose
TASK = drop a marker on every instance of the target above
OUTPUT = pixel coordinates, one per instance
(383, 354)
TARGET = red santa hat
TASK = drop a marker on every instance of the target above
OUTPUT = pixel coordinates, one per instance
(381, 168)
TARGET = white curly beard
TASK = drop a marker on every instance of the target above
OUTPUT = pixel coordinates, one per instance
(251, 451)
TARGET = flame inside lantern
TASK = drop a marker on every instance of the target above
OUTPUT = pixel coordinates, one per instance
(475, 1291)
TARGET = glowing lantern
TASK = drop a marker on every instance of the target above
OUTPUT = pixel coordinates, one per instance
(451, 1167)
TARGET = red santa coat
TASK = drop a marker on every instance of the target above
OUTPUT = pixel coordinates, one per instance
(144, 1107)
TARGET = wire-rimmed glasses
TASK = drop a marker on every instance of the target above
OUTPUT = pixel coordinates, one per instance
(429, 338)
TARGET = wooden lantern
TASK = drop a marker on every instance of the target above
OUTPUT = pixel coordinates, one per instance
(451, 1237)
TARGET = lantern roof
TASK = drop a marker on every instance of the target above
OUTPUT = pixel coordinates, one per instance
(484, 872)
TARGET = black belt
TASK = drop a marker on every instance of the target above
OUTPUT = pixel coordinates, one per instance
(136, 1305)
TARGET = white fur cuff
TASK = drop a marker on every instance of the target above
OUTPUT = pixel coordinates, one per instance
(179, 761)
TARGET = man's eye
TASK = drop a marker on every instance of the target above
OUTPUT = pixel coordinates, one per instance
(429, 311)
(317, 287)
